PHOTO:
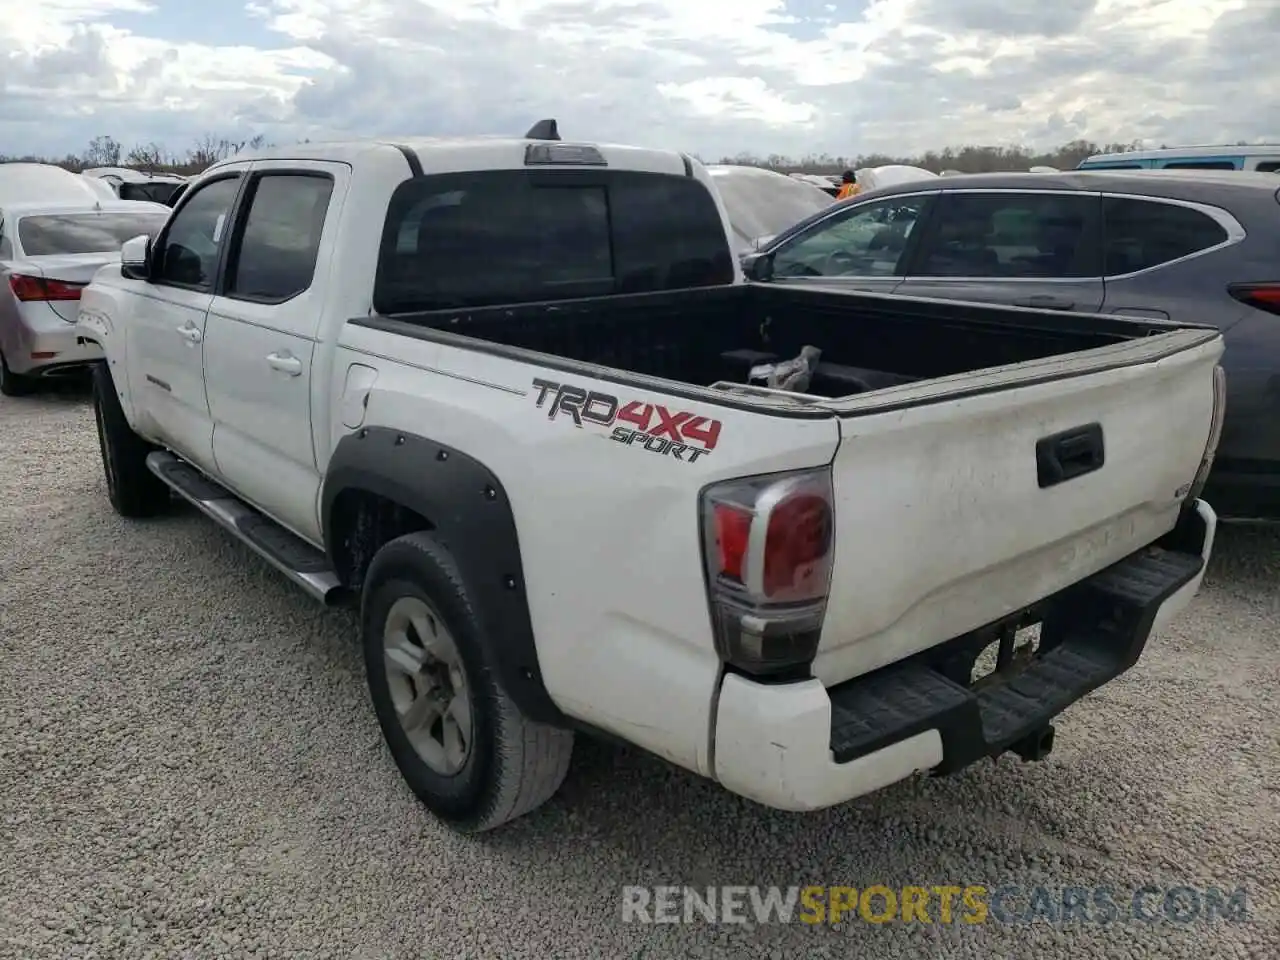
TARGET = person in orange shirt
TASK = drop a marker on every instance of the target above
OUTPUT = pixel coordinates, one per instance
(848, 186)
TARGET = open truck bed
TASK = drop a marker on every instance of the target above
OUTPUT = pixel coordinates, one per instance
(713, 336)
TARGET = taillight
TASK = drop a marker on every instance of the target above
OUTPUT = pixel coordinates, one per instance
(1215, 433)
(28, 289)
(1264, 296)
(768, 544)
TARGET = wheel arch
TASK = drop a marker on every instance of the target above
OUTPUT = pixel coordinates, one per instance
(383, 483)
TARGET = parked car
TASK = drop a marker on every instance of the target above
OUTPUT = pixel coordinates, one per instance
(49, 251)
(130, 184)
(1189, 246)
(22, 181)
(763, 202)
(1264, 158)
(889, 175)
(500, 393)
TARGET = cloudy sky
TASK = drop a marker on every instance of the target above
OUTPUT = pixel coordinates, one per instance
(711, 76)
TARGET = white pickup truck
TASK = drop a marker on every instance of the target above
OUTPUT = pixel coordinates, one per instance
(501, 394)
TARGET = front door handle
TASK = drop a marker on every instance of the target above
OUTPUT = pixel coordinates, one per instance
(190, 332)
(1046, 302)
(285, 363)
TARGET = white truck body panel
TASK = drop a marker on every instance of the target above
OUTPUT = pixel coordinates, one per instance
(619, 607)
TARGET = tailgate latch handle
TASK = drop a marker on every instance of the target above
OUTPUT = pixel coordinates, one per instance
(1070, 454)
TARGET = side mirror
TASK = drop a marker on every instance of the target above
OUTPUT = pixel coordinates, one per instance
(758, 267)
(135, 258)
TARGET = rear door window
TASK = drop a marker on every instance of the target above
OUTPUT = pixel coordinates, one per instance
(1141, 234)
(274, 254)
(1012, 236)
(494, 237)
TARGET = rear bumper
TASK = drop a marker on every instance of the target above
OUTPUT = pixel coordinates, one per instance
(50, 347)
(802, 746)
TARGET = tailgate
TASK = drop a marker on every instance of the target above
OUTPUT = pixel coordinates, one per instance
(951, 508)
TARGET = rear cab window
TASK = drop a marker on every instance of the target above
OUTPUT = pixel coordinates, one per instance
(516, 236)
(45, 235)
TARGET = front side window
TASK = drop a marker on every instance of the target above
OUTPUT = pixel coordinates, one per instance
(1141, 234)
(495, 237)
(1269, 166)
(275, 255)
(1012, 236)
(48, 235)
(188, 254)
(865, 241)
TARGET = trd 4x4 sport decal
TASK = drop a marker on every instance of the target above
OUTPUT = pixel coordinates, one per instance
(648, 426)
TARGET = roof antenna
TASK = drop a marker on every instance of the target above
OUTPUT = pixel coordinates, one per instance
(543, 130)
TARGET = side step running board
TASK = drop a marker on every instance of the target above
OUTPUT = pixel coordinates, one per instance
(299, 561)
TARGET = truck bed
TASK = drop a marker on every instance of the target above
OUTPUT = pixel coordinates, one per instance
(713, 335)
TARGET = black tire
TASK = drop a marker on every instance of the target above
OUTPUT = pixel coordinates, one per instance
(133, 489)
(513, 765)
(14, 384)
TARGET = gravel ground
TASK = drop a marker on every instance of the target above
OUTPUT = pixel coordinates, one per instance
(190, 768)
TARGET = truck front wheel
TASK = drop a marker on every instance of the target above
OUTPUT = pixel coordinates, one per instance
(133, 489)
(461, 744)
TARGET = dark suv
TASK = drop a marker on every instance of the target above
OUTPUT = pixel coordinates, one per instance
(1191, 246)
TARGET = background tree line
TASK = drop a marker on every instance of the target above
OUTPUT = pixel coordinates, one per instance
(107, 151)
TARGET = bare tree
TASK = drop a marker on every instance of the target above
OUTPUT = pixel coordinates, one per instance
(209, 149)
(102, 152)
(147, 156)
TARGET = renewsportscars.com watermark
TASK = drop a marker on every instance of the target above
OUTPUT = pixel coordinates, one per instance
(971, 904)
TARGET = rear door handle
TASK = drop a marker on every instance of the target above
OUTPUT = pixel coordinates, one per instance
(1070, 454)
(1044, 301)
(285, 363)
(1147, 313)
(190, 332)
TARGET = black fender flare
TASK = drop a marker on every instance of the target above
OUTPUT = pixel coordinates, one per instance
(472, 516)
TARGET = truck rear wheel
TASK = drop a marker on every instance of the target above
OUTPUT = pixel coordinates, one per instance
(461, 744)
(133, 489)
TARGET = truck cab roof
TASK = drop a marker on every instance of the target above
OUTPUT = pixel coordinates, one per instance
(447, 154)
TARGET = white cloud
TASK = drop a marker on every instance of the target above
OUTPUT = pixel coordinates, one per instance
(711, 76)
